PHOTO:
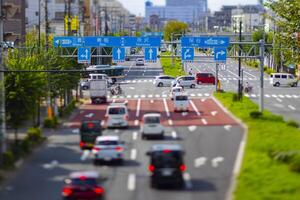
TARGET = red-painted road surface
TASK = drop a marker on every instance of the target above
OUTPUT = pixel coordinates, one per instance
(202, 112)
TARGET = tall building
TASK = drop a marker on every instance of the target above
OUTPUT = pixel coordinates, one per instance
(193, 12)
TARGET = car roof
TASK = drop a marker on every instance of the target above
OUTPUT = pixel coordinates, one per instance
(107, 138)
(176, 88)
(152, 115)
(117, 105)
(161, 147)
(87, 174)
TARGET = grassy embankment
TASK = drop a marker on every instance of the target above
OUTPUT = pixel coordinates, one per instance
(167, 66)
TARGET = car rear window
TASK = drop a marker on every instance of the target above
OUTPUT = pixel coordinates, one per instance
(108, 142)
(181, 98)
(152, 120)
(165, 160)
(90, 126)
(117, 111)
(82, 181)
(203, 75)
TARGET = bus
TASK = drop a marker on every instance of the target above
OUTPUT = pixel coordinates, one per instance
(114, 72)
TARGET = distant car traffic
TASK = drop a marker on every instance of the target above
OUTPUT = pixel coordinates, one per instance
(164, 80)
(89, 131)
(181, 102)
(174, 91)
(139, 62)
(206, 78)
(117, 115)
(283, 79)
(166, 165)
(83, 185)
(185, 81)
(151, 126)
(108, 149)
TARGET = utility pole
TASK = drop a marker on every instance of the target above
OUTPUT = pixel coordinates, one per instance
(46, 24)
(39, 31)
(240, 62)
(2, 90)
(69, 18)
(106, 21)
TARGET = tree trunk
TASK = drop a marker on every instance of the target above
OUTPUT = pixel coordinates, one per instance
(16, 135)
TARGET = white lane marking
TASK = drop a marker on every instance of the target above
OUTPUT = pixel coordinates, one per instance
(131, 182)
(198, 162)
(227, 127)
(151, 101)
(51, 165)
(246, 95)
(204, 121)
(136, 96)
(295, 96)
(143, 96)
(164, 95)
(215, 162)
(195, 108)
(157, 95)
(136, 122)
(134, 135)
(132, 88)
(133, 154)
(170, 122)
(288, 96)
(291, 107)
(150, 96)
(90, 115)
(102, 123)
(233, 73)
(188, 181)
(145, 80)
(268, 96)
(273, 95)
(192, 95)
(85, 155)
(139, 81)
(133, 81)
(128, 96)
(281, 96)
(166, 108)
(206, 94)
(174, 134)
(76, 131)
(214, 113)
(192, 128)
(199, 95)
(249, 74)
(138, 107)
(278, 99)
(253, 95)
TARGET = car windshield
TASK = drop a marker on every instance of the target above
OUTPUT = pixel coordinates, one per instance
(166, 159)
(116, 111)
(84, 181)
(181, 98)
(152, 120)
(107, 142)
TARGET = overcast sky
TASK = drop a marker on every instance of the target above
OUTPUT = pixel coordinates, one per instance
(138, 6)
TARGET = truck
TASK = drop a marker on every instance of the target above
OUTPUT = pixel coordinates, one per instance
(98, 89)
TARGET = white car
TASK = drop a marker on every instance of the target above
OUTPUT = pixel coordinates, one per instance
(161, 81)
(108, 148)
(181, 103)
(185, 81)
(174, 91)
(117, 115)
(151, 126)
(140, 62)
(284, 79)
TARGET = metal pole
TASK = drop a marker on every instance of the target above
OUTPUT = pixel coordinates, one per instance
(39, 31)
(2, 90)
(172, 50)
(217, 74)
(239, 61)
(261, 91)
(69, 18)
(46, 24)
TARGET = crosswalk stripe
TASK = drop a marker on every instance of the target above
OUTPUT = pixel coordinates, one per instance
(199, 95)
(268, 96)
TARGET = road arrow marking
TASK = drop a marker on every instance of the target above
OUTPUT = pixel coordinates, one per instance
(215, 162)
(214, 113)
(51, 165)
(199, 162)
(227, 127)
(192, 128)
(90, 115)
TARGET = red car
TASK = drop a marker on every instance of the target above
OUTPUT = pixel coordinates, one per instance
(83, 185)
(207, 78)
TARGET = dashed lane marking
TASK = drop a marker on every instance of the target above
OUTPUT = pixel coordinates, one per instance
(195, 108)
(133, 154)
(166, 108)
(291, 107)
(174, 134)
(134, 135)
(188, 181)
(204, 121)
(131, 182)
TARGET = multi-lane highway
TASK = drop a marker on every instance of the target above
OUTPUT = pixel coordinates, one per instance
(209, 135)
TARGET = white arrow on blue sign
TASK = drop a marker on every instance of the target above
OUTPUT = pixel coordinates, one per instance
(118, 54)
(84, 55)
(220, 54)
(150, 54)
(187, 54)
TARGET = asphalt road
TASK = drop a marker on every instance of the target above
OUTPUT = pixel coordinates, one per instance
(209, 136)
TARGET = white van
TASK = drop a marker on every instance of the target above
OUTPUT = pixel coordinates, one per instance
(181, 102)
(151, 126)
(117, 115)
(278, 79)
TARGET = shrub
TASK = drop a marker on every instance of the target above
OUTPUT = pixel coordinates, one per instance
(8, 159)
(25, 145)
(34, 135)
(51, 122)
(255, 114)
(295, 163)
(292, 123)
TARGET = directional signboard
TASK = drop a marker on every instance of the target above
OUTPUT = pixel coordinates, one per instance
(205, 41)
(187, 54)
(66, 42)
(220, 54)
(118, 54)
(84, 55)
(150, 54)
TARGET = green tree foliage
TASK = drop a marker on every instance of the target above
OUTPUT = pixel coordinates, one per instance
(174, 29)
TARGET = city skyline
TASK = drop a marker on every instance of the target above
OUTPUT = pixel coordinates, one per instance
(137, 7)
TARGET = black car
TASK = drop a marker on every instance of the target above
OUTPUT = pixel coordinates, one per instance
(166, 165)
(89, 131)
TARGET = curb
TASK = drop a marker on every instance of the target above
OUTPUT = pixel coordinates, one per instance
(239, 158)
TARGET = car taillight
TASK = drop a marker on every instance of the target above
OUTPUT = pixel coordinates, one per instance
(126, 117)
(118, 148)
(96, 149)
(99, 190)
(81, 144)
(151, 168)
(67, 191)
(182, 167)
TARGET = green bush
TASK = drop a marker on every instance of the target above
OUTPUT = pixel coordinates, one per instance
(8, 159)
(295, 163)
(235, 97)
(51, 122)
(255, 114)
(292, 123)
(26, 144)
(34, 135)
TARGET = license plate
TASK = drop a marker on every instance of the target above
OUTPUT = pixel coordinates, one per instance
(167, 172)
(107, 159)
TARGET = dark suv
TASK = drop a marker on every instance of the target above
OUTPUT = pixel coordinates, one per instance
(89, 131)
(166, 165)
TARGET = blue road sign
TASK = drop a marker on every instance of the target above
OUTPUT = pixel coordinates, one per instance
(84, 55)
(187, 54)
(118, 54)
(150, 54)
(220, 54)
(146, 34)
(205, 41)
(66, 42)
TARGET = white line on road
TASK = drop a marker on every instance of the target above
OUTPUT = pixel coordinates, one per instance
(102, 123)
(195, 108)
(199, 162)
(151, 101)
(133, 154)
(204, 121)
(170, 122)
(273, 95)
(174, 134)
(278, 99)
(166, 108)
(291, 107)
(134, 135)
(232, 73)
(138, 107)
(268, 96)
(249, 74)
(85, 155)
(215, 162)
(281, 96)
(131, 182)
(136, 122)
(188, 181)
(214, 113)
(227, 127)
